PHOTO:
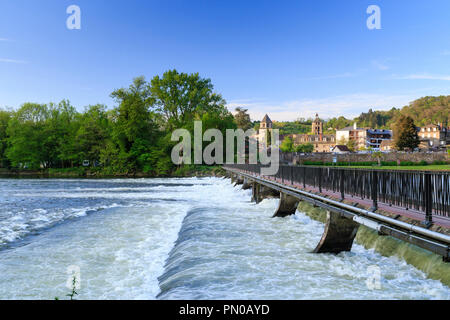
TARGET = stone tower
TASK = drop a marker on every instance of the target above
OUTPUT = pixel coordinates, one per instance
(265, 129)
(317, 127)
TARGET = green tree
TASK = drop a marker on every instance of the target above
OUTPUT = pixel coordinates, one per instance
(180, 98)
(5, 117)
(378, 155)
(59, 131)
(304, 148)
(242, 119)
(27, 136)
(134, 128)
(93, 133)
(405, 134)
(287, 145)
(351, 145)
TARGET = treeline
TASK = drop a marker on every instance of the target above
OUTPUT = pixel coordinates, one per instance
(135, 136)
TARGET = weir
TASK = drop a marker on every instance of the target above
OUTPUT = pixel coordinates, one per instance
(287, 206)
(343, 220)
(261, 192)
(338, 235)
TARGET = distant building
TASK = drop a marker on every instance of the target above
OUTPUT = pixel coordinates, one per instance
(340, 149)
(375, 137)
(434, 136)
(387, 145)
(321, 142)
(263, 136)
(363, 137)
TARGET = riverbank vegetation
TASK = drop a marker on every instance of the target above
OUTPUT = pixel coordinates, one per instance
(133, 138)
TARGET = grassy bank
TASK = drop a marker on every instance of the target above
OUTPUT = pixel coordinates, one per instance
(386, 165)
(83, 172)
(428, 262)
(445, 167)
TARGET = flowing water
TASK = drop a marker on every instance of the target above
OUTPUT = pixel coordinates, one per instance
(178, 239)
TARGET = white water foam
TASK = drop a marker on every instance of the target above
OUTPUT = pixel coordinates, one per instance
(225, 246)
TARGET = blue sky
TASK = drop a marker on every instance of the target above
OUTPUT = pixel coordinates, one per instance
(289, 59)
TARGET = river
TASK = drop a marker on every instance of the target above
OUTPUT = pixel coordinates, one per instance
(195, 238)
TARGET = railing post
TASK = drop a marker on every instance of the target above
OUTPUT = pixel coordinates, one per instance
(320, 179)
(304, 177)
(374, 191)
(428, 200)
(342, 184)
(292, 175)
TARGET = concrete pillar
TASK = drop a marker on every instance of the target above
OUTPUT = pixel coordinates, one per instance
(261, 192)
(255, 192)
(233, 178)
(338, 235)
(287, 206)
(239, 180)
(246, 185)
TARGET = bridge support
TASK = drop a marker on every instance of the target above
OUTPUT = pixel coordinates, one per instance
(255, 190)
(233, 178)
(261, 192)
(239, 180)
(247, 185)
(287, 206)
(338, 235)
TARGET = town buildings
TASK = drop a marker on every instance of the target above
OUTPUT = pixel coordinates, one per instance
(321, 142)
(431, 137)
(434, 136)
(364, 138)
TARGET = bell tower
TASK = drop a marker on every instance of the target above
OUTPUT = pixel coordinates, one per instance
(317, 126)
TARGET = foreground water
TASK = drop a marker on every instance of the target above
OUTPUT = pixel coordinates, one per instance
(178, 239)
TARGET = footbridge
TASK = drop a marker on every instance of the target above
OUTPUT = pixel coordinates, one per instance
(408, 205)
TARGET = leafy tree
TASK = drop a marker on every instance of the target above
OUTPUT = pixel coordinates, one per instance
(405, 134)
(134, 128)
(59, 130)
(242, 119)
(287, 145)
(378, 155)
(351, 145)
(93, 133)
(304, 148)
(180, 98)
(5, 117)
(27, 136)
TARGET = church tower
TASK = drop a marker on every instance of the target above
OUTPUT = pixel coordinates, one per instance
(265, 130)
(317, 127)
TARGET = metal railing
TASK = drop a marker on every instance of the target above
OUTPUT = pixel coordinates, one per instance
(424, 191)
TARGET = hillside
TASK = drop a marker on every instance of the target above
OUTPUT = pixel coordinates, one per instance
(426, 110)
